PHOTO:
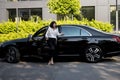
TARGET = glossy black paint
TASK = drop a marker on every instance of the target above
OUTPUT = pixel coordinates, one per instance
(67, 45)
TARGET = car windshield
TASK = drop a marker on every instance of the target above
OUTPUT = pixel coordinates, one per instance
(40, 32)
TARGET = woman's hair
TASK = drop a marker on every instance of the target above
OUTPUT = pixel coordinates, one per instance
(51, 24)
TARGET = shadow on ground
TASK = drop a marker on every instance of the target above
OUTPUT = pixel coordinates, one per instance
(71, 68)
(63, 59)
(66, 59)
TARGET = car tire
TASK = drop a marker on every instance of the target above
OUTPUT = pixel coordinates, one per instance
(12, 55)
(93, 53)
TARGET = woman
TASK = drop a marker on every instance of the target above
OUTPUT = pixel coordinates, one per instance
(51, 37)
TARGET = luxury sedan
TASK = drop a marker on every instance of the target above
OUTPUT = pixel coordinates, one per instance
(90, 44)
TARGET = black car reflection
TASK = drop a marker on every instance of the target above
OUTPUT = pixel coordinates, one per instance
(86, 42)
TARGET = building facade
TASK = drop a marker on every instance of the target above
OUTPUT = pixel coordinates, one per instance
(102, 10)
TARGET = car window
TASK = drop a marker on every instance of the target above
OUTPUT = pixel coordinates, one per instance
(74, 31)
(70, 31)
(84, 33)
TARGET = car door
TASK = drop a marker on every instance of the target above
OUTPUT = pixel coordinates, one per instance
(73, 40)
(37, 43)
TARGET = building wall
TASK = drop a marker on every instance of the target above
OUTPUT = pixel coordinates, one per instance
(4, 5)
(3, 12)
(102, 8)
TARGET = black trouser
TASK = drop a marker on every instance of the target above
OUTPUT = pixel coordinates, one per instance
(52, 43)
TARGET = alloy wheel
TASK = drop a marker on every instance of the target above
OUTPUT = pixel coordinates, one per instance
(93, 53)
(12, 55)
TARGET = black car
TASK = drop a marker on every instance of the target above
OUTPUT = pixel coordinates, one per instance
(78, 40)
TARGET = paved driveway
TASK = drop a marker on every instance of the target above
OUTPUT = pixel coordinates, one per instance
(108, 69)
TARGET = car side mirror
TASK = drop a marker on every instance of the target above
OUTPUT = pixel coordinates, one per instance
(37, 38)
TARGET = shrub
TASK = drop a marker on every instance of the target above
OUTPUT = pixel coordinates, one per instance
(11, 36)
(7, 27)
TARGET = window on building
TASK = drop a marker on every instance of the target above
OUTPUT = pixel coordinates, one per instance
(11, 0)
(25, 13)
(113, 16)
(88, 12)
(12, 14)
(29, 0)
(37, 12)
(23, 0)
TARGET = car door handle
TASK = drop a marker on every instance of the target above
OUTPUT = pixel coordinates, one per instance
(61, 39)
(84, 38)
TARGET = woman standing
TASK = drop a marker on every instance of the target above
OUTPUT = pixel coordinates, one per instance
(51, 37)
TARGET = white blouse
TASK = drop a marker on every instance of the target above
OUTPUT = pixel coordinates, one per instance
(52, 33)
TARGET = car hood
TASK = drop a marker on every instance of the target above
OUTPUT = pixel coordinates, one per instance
(14, 41)
(17, 40)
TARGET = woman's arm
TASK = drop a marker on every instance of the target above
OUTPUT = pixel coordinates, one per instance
(58, 33)
(46, 35)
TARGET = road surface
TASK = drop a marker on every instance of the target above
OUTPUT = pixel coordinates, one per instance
(108, 69)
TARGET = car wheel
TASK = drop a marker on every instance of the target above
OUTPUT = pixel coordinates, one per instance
(12, 55)
(93, 53)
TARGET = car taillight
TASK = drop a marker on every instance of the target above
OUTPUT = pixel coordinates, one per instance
(116, 38)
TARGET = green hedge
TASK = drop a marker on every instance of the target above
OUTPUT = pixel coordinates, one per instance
(8, 29)
(23, 26)
(11, 36)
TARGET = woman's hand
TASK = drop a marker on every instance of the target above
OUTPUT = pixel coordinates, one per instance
(62, 34)
(46, 39)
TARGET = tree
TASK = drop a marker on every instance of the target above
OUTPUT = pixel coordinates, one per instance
(66, 8)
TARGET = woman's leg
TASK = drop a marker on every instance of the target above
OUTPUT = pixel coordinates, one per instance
(53, 48)
(52, 45)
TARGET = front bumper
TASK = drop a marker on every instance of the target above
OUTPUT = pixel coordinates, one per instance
(1, 50)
